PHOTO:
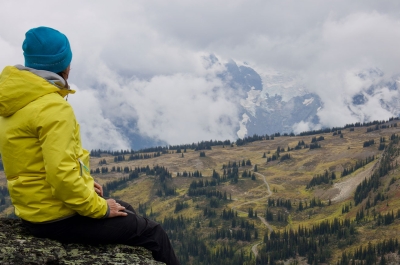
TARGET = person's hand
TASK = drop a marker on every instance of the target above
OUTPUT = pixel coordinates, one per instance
(116, 209)
(98, 189)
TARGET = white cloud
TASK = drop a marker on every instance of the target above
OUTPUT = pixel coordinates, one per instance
(97, 132)
(173, 108)
(142, 60)
(303, 126)
(9, 52)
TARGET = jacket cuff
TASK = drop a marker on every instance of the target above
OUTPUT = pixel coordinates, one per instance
(107, 213)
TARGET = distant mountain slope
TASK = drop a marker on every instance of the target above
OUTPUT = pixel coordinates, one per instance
(271, 102)
(276, 102)
(262, 113)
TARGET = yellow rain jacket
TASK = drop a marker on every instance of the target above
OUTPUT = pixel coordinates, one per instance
(45, 165)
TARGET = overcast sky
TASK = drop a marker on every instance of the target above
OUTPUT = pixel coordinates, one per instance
(144, 60)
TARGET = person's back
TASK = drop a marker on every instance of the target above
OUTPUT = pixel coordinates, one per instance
(25, 127)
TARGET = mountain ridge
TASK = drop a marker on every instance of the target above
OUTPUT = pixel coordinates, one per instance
(270, 102)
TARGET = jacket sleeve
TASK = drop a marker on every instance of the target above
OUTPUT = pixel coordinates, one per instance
(56, 129)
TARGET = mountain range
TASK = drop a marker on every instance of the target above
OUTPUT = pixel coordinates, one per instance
(275, 102)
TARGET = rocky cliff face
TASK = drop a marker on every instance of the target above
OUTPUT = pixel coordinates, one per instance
(17, 246)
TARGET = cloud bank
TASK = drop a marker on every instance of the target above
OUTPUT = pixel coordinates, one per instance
(140, 64)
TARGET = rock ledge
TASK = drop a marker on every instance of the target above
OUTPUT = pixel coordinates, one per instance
(17, 246)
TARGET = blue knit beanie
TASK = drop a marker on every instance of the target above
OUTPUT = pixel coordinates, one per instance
(46, 49)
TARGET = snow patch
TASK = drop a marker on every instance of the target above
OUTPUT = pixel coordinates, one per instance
(243, 130)
(284, 85)
(308, 101)
(252, 101)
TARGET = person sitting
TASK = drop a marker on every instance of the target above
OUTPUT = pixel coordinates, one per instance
(45, 165)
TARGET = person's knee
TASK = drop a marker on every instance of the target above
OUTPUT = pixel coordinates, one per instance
(130, 208)
(160, 232)
(126, 205)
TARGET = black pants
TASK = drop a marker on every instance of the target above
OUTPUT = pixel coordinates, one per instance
(132, 230)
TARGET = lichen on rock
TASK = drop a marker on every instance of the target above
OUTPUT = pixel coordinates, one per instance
(17, 246)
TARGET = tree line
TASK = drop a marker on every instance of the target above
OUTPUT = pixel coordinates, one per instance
(200, 183)
(305, 242)
(196, 174)
(325, 178)
(385, 165)
(359, 164)
(369, 143)
(371, 253)
(203, 145)
(236, 164)
(192, 246)
(160, 171)
(209, 193)
(256, 137)
(378, 127)
(300, 145)
(280, 203)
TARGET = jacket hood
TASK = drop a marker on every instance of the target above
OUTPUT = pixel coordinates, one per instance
(21, 85)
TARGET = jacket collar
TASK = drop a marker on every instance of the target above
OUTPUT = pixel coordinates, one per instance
(53, 78)
(20, 85)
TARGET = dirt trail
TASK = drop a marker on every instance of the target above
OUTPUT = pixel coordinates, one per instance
(254, 247)
(266, 183)
(266, 223)
(255, 200)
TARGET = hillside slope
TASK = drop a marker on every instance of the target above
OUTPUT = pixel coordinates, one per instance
(242, 207)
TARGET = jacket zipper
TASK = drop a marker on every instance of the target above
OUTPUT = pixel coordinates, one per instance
(82, 165)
